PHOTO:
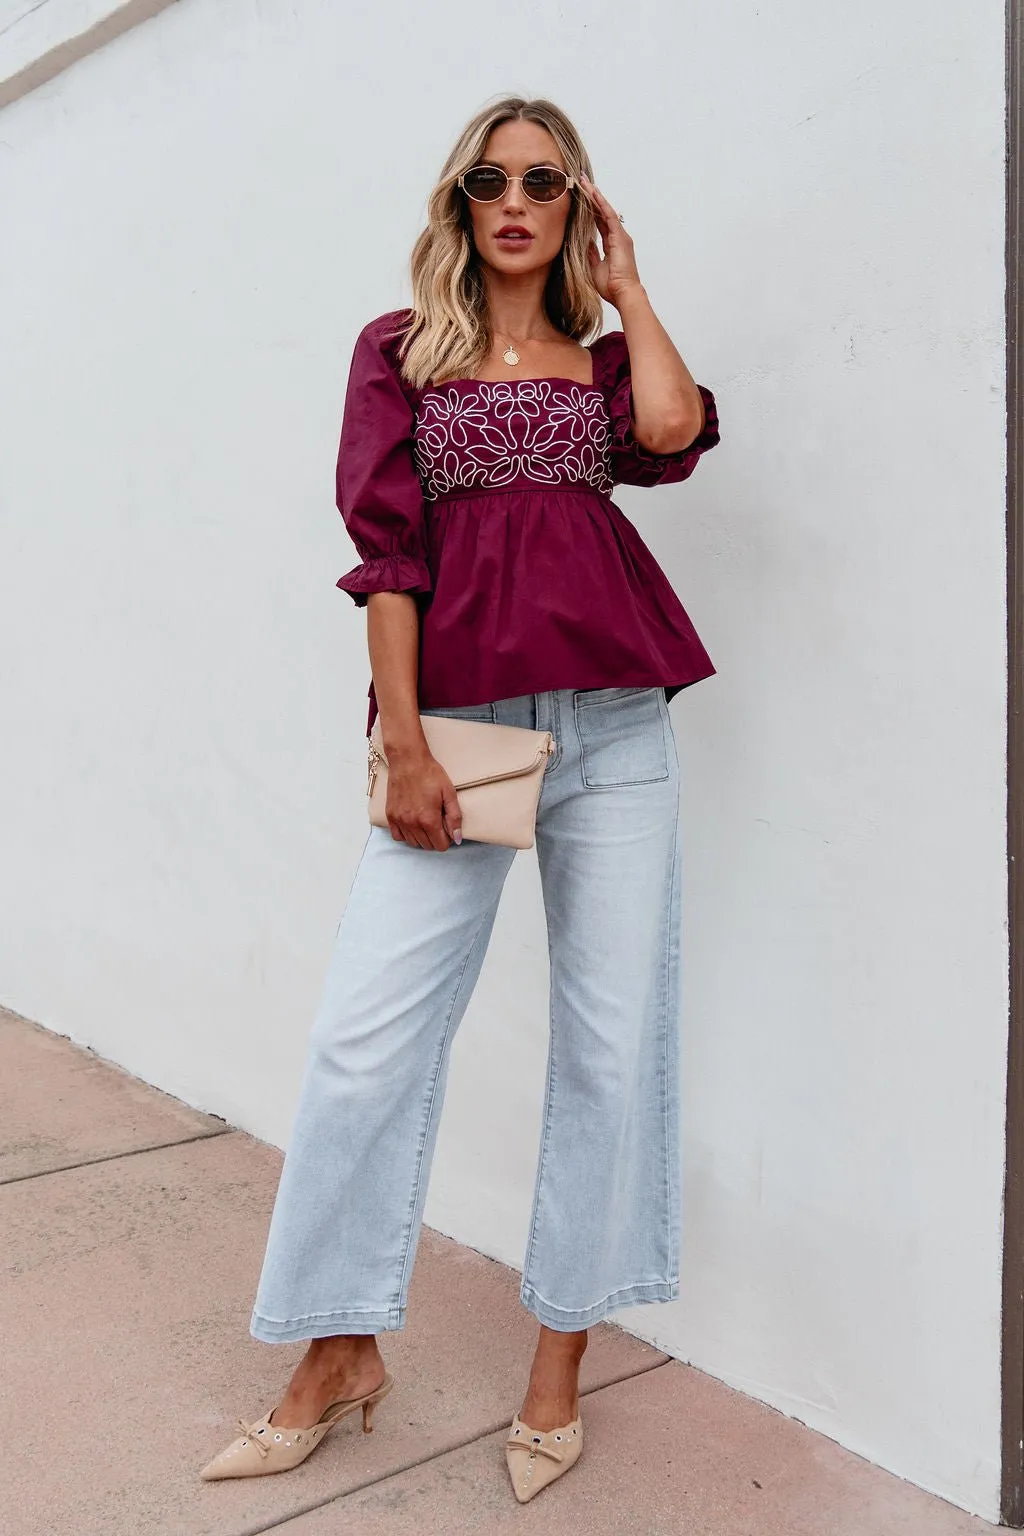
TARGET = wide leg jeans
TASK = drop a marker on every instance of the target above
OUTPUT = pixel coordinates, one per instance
(605, 1221)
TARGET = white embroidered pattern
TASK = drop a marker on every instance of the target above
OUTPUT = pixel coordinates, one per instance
(490, 434)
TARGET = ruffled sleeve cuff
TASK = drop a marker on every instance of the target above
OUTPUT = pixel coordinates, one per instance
(386, 573)
(636, 465)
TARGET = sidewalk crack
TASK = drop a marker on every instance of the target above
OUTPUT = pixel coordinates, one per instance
(111, 1157)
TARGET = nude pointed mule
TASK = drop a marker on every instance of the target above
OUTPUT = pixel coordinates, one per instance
(262, 1448)
(535, 1457)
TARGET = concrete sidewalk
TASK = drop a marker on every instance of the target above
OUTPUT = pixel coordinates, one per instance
(133, 1229)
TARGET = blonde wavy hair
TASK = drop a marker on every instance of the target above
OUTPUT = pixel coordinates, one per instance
(449, 335)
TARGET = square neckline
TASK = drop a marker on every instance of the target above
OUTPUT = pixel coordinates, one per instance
(543, 378)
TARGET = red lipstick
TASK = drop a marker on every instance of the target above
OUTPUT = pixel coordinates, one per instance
(513, 237)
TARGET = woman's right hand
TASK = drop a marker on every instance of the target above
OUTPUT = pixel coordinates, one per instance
(422, 807)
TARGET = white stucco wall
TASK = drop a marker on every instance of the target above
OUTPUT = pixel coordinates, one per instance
(197, 221)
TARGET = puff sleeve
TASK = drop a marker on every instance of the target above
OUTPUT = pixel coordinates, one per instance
(378, 489)
(631, 463)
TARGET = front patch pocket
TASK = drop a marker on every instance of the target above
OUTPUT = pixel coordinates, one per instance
(622, 736)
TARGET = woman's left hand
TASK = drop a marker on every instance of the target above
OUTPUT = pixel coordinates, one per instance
(615, 271)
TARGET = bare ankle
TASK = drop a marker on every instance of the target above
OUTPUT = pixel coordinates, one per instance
(338, 1358)
(553, 1343)
(342, 1349)
(341, 1365)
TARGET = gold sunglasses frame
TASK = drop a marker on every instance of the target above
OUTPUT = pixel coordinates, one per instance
(570, 182)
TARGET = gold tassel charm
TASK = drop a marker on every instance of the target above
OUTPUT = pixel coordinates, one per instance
(374, 763)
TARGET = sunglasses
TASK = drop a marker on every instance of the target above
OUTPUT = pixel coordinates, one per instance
(541, 183)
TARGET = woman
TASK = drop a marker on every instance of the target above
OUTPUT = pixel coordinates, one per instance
(482, 435)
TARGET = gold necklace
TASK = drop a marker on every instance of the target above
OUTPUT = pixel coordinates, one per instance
(511, 356)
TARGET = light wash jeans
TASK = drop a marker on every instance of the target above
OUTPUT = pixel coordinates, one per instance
(605, 1222)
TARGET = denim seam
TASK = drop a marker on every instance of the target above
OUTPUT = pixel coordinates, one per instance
(410, 1218)
(579, 694)
(669, 1022)
(556, 730)
(355, 877)
(624, 1296)
(313, 1317)
(325, 1324)
(549, 1097)
(626, 783)
(671, 1009)
(622, 1290)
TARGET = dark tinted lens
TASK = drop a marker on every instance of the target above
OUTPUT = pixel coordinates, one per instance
(544, 183)
(485, 182)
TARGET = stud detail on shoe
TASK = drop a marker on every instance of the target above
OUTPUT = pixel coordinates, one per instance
(549, 1453)
(262, 1448)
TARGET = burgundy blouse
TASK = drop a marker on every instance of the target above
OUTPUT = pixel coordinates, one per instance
(491, 501)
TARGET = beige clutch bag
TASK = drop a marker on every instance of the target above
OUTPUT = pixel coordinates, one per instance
(497, 771)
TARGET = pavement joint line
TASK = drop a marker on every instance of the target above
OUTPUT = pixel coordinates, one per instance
(113, 1157)
(422, 1461)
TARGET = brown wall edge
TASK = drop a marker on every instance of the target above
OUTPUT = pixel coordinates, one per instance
(1012, 1489)
(53, 63)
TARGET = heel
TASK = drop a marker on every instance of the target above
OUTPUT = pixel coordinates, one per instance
(372, 1401)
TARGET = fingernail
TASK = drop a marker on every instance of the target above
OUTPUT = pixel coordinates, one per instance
(456, 837)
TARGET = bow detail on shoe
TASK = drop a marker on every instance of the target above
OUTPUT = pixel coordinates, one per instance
(560, 1449)
(250, 1432)
(535, 1446)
